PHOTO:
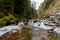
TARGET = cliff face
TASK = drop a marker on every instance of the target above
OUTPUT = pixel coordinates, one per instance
(47, 9)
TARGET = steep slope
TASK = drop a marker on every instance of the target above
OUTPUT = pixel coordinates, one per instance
(47, 9)
(54, 7)
(5, 17)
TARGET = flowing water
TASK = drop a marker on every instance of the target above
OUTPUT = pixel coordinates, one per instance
(33, 31)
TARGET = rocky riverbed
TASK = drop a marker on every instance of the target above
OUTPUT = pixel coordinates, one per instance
(34, 31)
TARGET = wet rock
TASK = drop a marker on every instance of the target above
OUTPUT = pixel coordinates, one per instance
(39, 34)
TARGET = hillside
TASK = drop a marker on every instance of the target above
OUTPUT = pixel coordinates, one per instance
(5, 17)
(16, 11)
(48, 8)
(18, 20)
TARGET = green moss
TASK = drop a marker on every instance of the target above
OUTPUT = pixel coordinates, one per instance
(3, 21)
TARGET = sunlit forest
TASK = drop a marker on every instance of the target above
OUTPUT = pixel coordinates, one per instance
(29, 19)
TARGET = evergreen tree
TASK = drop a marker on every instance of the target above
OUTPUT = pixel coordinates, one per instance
(21, 9)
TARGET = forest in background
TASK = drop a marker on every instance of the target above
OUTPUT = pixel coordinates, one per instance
(16, 10)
